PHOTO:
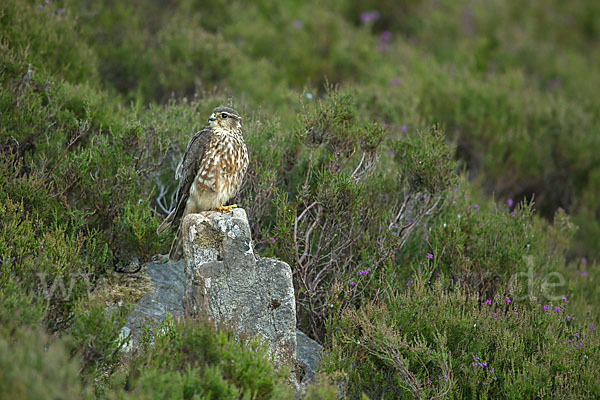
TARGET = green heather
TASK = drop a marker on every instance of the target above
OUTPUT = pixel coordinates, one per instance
(429, 169)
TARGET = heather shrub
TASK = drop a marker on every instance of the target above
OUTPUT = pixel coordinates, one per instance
(345, 211)
(35, 367)
(485, 247)
(195, 360)
(43, 268)
(425, 340)
(444, 322)
(512, 90)
(547, 147)
(41, 40)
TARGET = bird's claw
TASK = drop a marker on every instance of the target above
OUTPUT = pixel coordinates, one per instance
(228, 209)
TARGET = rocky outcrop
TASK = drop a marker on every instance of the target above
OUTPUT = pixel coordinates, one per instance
(221, 278)
(226, 282)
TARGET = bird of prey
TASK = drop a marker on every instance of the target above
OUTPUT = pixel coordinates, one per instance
(210, 173)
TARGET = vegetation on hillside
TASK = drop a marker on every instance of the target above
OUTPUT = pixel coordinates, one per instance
(430, 170)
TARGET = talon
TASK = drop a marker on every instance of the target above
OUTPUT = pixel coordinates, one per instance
(228, 209)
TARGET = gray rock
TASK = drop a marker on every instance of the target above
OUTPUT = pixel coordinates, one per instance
(308, 356)
(225, 282)
(164, 296)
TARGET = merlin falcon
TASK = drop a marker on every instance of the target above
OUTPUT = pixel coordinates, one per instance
(210, 173)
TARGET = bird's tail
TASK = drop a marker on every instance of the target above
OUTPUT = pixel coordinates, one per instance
(167, 222)
(177, 247)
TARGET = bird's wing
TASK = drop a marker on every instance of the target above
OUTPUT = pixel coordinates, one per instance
(187, 170)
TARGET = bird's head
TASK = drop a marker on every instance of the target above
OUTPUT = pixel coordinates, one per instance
(225, 118)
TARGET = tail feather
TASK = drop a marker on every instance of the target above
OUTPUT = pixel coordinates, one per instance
(166, 223)
(176, 247)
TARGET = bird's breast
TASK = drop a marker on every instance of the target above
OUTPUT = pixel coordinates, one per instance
(223, 167)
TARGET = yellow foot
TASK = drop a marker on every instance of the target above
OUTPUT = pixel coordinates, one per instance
(228, 209)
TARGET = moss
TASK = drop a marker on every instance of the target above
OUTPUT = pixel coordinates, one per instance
(116, 288)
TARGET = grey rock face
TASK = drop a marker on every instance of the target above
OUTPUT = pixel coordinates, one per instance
(308, 356)
(225, 282)
(164, 296)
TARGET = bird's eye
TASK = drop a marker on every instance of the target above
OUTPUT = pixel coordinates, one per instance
(223, 115)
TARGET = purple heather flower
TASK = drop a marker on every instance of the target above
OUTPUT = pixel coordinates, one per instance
(424, 239)
(516, 313)
(554, 83)
(430, 256)
(495, 378)
(557, 309)
(476, 206)
(385, 36)
(351, 283)
(507, 300)
(510, 202)
(272, 240)
(403, 129)
(484, 364)
(47, 1)
(488, 302)
(395, 82)
(369, 16)
(581, 344)
(61, 11)
(583, 260)
(565, 299)
(576, 335)
(591, 326)
(390, 153)
(583, 274)
(297, 24)
(495, 315)
(546, 308)
(512, 214)
(380, 227)
(568, 317)
(492, 370)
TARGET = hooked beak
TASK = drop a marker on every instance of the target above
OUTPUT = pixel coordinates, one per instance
(212, 118)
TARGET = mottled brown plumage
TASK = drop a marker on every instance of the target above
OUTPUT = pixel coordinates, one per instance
(210, 173)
